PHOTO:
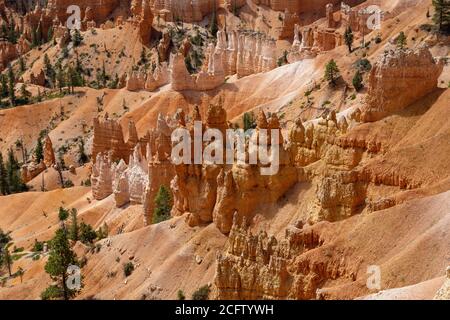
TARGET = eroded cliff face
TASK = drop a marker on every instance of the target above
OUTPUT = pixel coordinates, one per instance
(259, 266)
(399, 78)
(97, 10)
(214, 192)
(245, 53)
(108, 138)
(8, 52)
(313, 39)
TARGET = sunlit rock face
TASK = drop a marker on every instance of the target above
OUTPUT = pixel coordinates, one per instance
(399, 78)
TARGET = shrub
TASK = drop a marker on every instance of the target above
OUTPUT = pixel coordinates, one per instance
(163, 205)
(38, 246)
(249, 121)
(363, 65)
(128, 269)
(52, 292)
(63, 214)
(331, 72)
(180, 295)
(87, 235)
(201, 293)
(68, 183)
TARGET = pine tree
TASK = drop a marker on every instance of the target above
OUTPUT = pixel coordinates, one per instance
(71, 79)
(39, 152)
(11, 86)
(102, 77)
(60, 78)
(87, 235)
(4, 188)
(4, 91)
(77, 38)
(441, 15)
(39, 34)
(401, 40)
(60, 258)
(22, 64)
(348, 37)
(63, 214)
(331, 72)
(73, 229)
(13, 178)
(163, 205)
(357, 81)
(6, 258)
(49, 71)
(249, 121)
(34, 41)
(24, 93)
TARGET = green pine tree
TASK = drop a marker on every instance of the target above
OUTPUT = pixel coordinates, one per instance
(39, 152)
(4, 188)
(6, 258)
(441, 15)
(77, 38)
(348, 37)
(49, 71)
(4, 90)
(60, 258)
(22, 64)
(24, 93)
(249, 121)
(60, 78)
(39, 34)
(74, 228)
(63, 214)
(11, 86)
(163, 205)
(13, 178)
(331, 72)
(401, 40)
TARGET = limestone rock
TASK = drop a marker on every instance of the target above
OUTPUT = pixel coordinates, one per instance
(8, 52)
(108, 137)
(101, 178)
(49, 155)
(398, 79)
